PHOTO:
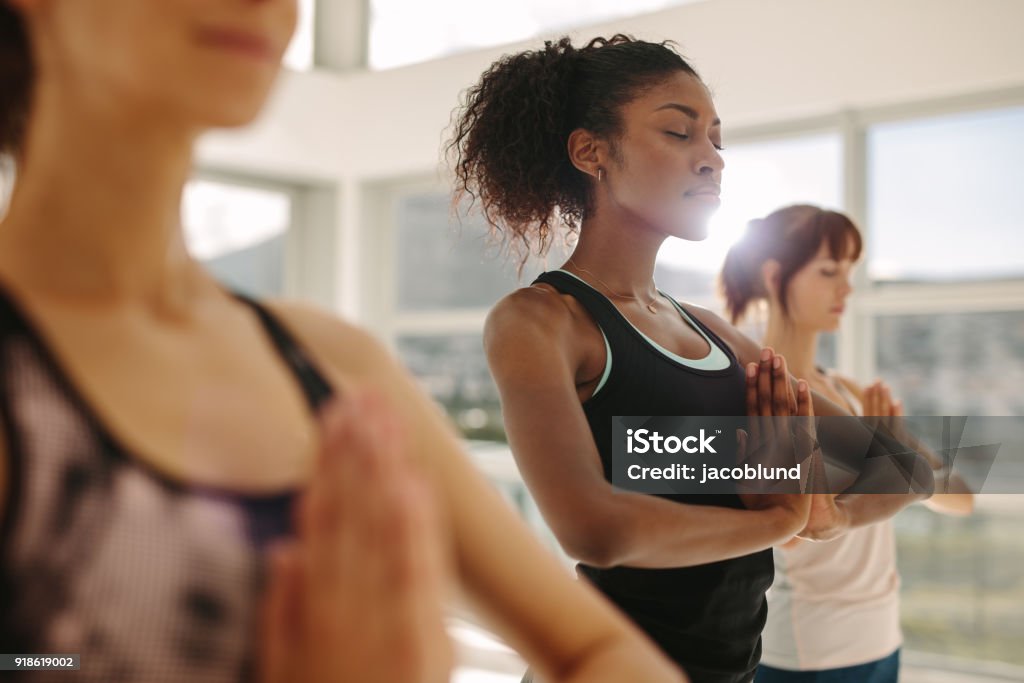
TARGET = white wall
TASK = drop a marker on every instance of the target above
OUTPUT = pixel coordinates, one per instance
(766, 60)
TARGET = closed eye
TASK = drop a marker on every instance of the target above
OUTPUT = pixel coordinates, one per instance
(684, 136)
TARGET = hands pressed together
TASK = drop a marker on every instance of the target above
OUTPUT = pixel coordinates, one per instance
(357, 595)
(769, 394)
(770, 402)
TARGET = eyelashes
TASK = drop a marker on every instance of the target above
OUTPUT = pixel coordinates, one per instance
(683, 136)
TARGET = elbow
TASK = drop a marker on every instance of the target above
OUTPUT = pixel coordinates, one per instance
(923, 484)
(599, 543)
(953, 504)
(790, 522)
(966, 501)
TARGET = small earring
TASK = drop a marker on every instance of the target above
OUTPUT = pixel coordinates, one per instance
(600, 174)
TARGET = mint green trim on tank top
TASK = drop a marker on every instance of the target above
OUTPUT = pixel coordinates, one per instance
(716, 359)
(607, 363)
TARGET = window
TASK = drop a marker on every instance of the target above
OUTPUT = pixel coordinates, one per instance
(299, 56)
(944, 197)
(447, 276)
(240, 233)
(954, 363)
(943, 248)
(443, 265)
(453, 369)
(962, 585)
(403, 32)
(938, 313)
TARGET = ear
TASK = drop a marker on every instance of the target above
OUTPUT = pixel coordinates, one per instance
(771, 272)
(587, 152)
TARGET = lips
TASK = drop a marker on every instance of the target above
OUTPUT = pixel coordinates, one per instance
(238, 41)
(709, 191)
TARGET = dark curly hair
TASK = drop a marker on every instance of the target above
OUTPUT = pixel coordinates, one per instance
(15, 80)
(508, 146)
(792, 236)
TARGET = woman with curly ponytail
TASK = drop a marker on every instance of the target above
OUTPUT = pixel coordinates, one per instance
(617, 142)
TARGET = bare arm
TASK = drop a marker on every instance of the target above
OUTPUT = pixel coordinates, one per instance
(833, 515)
(530, 347)
(956, 498)
(561, 626)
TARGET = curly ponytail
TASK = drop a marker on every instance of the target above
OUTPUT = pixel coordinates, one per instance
(508, 148)
(791, 236)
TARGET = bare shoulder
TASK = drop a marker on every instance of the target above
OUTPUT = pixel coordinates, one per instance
(745, 348)
(849, 384)
(531, 311)
(537, 329)
(344, 350)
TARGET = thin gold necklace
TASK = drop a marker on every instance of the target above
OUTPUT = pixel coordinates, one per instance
(650, 305)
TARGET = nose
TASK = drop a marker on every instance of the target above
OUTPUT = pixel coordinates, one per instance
(710, 161)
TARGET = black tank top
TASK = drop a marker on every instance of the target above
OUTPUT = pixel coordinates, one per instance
(148, 579)
(708, 618)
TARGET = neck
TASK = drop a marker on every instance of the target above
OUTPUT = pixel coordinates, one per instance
(95, 209)
(619, 252)
(797, 344)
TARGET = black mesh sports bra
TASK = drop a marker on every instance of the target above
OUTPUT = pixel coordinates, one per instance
(149, 580)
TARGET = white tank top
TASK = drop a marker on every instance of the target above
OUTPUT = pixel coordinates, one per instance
(836, 603)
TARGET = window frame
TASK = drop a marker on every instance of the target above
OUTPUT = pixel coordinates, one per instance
(310, 228)
(855, 340)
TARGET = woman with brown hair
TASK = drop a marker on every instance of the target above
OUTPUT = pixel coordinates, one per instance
(833, 612)
(159, 430)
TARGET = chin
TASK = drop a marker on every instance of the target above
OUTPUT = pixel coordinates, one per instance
(222, 111)
(691, 231)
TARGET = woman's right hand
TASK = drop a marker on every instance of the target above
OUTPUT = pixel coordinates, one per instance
(769, 394)
(879, 402)
(357, 596)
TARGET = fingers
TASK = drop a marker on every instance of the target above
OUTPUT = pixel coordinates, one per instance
(423, 584)
(804, 404)
(877, 400)
(374, 548)
(871, 399)
(885, 400)
(752, 395)
(769, 391)
(412, 572)
(783, 402)
(345, 474)
(281, 616)
(897, 408)
(764, 382)
(741, 447)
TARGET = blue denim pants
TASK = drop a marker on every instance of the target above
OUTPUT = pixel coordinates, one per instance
(885, 670)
